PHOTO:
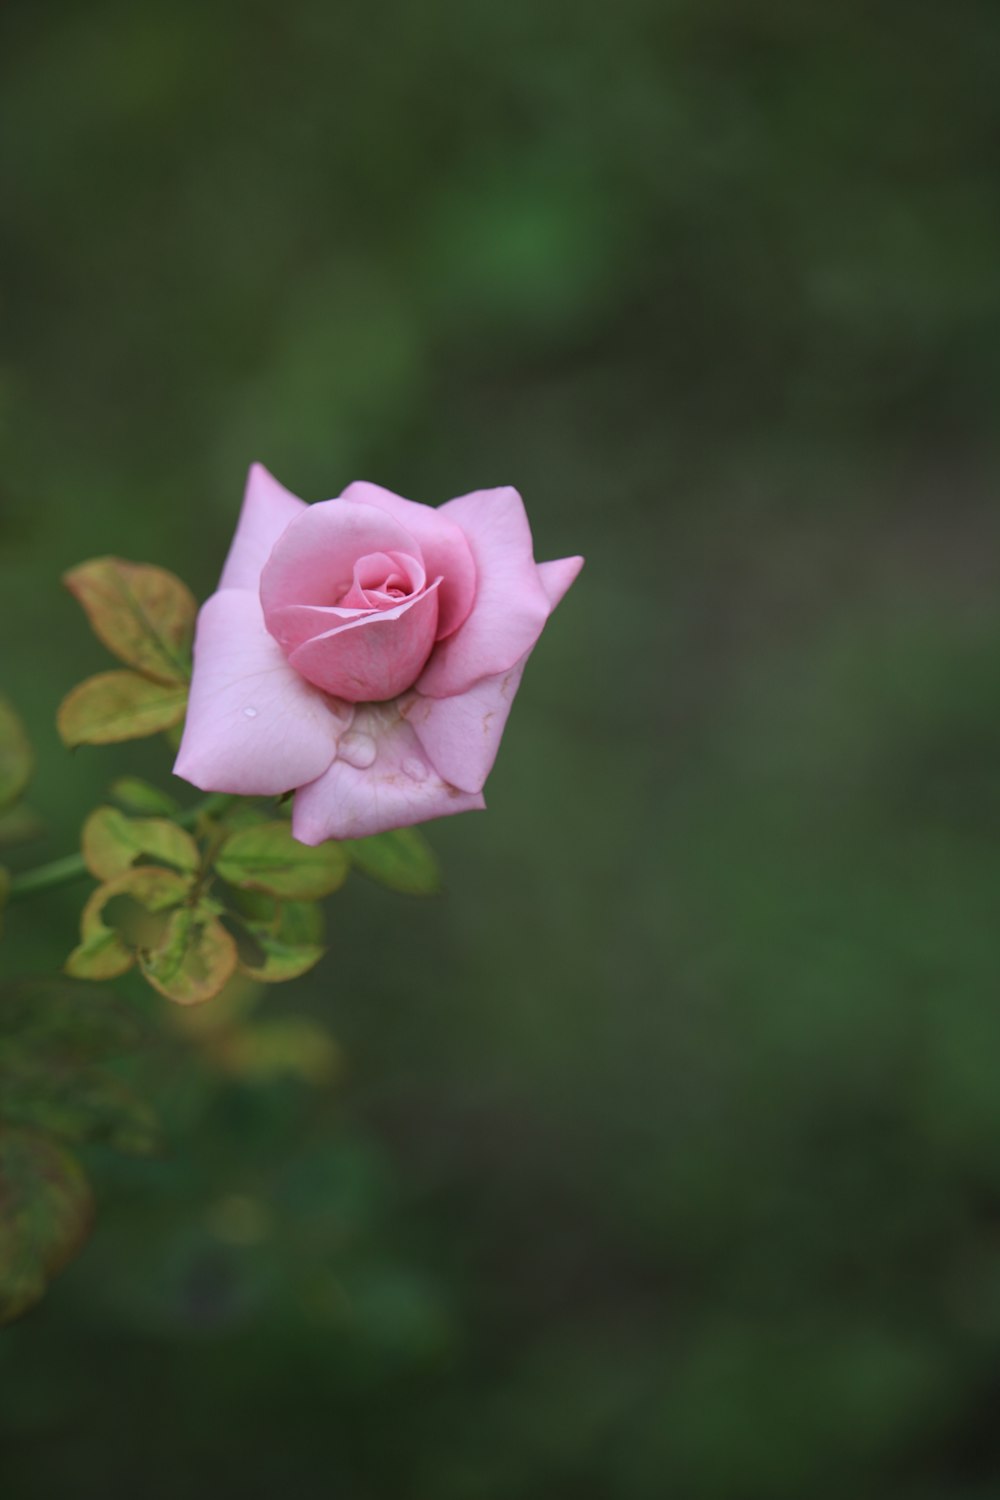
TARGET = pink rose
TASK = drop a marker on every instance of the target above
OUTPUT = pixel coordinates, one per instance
(364, 652)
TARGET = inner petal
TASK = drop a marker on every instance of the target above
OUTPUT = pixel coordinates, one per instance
(382, 579)
(313, 561)
(373, 657)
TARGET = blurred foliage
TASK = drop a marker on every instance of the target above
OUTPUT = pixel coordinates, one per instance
(59, 1046)
(16, 757)
(17, 761)
(665, 1152)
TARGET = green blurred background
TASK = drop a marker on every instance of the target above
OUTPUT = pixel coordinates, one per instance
(665, 1157)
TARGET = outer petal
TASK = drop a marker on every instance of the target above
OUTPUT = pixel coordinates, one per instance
(375, 657)
(442, 543)
(254, 726)
(381, 779)
(511, 604)
(556, 577)
(313, 563)
(462, 734)
(267, 509)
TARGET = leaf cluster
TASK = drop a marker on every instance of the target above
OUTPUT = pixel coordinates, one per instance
(145, 616)
(239, 894)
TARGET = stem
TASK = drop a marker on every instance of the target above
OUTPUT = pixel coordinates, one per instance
(71, 867)
(44, 877)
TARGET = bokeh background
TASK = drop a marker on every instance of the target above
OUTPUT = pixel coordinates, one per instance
(664, 1158)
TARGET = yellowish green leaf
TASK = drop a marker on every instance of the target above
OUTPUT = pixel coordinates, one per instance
(16, 758)
(46, 1210)
(401, 860)
(154, 889)
(101, 956)
(194, 960)
(267, 858)
(108, 948)
(112, 843)
(143, 614)
(115, 706)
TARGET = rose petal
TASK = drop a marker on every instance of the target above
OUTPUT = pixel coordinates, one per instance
(267, 509)
(556, 577)
(381, 779)
(254, 726)
(511, 605)
(293, 624)
(442, 544)
(313, 562)
(375, 657)
(377, 572)
(461, 735)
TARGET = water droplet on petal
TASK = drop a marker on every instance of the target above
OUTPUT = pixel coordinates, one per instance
(414, 768)
(358, 750)
(251, 713)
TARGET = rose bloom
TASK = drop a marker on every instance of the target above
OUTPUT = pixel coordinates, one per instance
(364, 652)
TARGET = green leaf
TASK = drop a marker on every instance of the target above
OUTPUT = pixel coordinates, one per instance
(293, 1047)
(115, 706)
(285, 945)
(16, 758)
(300, 922)
(141, 800)
(143, 614)
(401, 860)
(112, 843)
(280, 961)
(267, 858)
(4, 891)
(46, 1210)
(249, 906)
(195, 960)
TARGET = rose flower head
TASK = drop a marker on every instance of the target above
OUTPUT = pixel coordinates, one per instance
(364, 652)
